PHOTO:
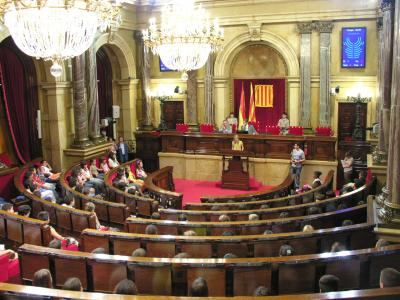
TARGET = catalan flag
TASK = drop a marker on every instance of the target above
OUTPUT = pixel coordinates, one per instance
(264, 95)
(242, 109)
(252, 112)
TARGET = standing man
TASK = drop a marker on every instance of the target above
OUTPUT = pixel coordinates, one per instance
(233, 121)
(122, 150)
(284, 124)
(296, 160)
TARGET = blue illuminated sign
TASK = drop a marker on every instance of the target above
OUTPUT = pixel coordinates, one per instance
(163, 68)
(354, 42)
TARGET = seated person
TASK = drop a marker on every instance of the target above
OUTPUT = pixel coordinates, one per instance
(90, 207)
(389, 278)
(338, 247)
(225, 127)
(237, 144)
(123, 183)
(126, 287)
(286, 250)
(42, 278)
(261, 291)
(89, 180)
(112, 161)
(248, 127)
(104, 166)
(69, 201)
(95, 171)
(283, 124)
(24, 210)
(140, 172)
(131, 177)
(328, 283)
(39, 181)
(199, 288)
(73, 284)
(317, 181)
(8, 207)
(67, 243)
(33, 188)
(47, 171)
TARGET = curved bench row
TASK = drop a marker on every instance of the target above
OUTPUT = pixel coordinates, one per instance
(354, 237)
(65, 218)
(141, 206)
(281, 190)
(20, 230)
(106, 211)
(225, 277)
(349, 199)
(296, 199)
(357, 214)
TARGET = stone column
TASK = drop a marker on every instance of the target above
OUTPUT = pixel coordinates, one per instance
(93, 97)
(128, 91)
(80, 103)
(192, 100)
(391, 203)
(144, 61)
(385, 78)
(209, 115)
(305, 30)
(221, 103)
(325, 30)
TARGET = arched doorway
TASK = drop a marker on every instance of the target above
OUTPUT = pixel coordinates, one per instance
(19, 100)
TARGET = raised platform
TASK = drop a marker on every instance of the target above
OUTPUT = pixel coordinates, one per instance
(268, 171)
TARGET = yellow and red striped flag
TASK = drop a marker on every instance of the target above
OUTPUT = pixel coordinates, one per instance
(252, 112)
(264, 95)
(242, 109)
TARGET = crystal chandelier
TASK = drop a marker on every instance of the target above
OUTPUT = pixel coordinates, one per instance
(186, 36)
(57, 29)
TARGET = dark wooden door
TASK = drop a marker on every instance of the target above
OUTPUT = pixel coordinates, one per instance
(173, 113)
(347, 120)
(359, 149)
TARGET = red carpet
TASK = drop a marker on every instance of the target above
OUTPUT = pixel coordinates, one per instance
(194, 189)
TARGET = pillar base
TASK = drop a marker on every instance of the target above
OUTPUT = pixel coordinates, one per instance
(147, 128)
(82, 144)
(194, 127)
(389, 213)
(97, 140)
(382, 197)
(379, 157)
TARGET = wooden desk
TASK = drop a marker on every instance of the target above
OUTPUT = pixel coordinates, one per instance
(261, 146)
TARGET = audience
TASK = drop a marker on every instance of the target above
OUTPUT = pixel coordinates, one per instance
(139, 252)
(9, 260)
(389, 278)
(151, 229)
(328, 283)
(268, 231)
(156, 216)
(317, 181)
(308, 228)
(338, 247)
(254, 217)
(182, 255)
(42, 278)
(8, 207)
(140, 172)
(125, 287)
(55, 244)
(24, 210)
(112, 161)
(182, 218)
(73, 284)
(286, 250)
(224, 218)
(189, 233)
(199, 288)
(261, 291)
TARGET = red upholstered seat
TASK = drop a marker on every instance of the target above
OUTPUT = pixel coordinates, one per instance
(3, 266)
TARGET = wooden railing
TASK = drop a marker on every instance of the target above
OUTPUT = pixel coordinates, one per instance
(160, 186)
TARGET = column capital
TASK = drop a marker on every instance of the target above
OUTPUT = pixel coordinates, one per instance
(387, 5)
(324, 27)
(255, 31)
(304, 28)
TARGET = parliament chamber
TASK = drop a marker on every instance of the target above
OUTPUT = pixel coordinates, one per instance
(178, 149)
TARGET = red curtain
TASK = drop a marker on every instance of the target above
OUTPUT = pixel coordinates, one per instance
(266, 116)
(13, 81)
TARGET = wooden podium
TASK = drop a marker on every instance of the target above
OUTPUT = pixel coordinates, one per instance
(235, 170)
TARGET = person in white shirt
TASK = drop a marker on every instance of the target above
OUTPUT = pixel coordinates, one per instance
(297, 158)
(347, 164)
(112, 161)
(232, 120)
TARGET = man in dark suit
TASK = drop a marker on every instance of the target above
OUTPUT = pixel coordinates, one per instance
(122, 150)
